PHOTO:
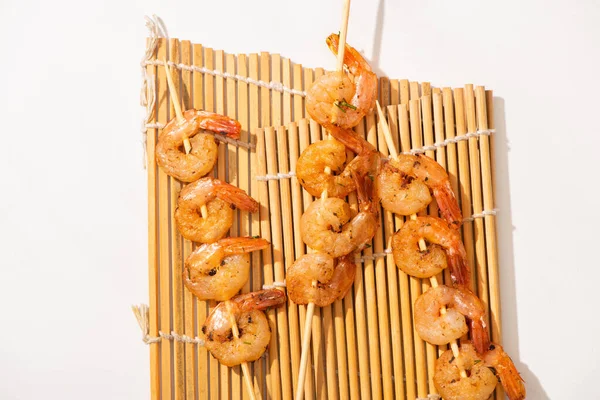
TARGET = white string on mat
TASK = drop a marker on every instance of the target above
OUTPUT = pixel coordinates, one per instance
(430, 397)
(141, 312)
(274, 285)
(276, 86)
(279, 175)
(456, 139)
(481, 215)
(156, 28)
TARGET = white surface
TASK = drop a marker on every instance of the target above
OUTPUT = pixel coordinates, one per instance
(73, 199)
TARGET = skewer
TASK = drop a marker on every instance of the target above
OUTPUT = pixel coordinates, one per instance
(310, 309)
(177, 106)
(422, 244)
(245, 368)
(181, 119)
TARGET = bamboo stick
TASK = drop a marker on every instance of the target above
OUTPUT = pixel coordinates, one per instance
(476, 172)
(491, 283)
(372, 286)
(265, 93)
(259, 366)
(304, 141)
(151, 135)
(440, 157)
(263, 135)
(292, 204)
(224, 371)
(233, 177)
(464, 177)
(176, 262)
(277, 148)
(392, 273)
(451, 150)
(209, 105)
(244, 179)
(287, 97)
(404, 91)
(394, 92)
(416, 284)
(201, 306)
(319, 370)
(487, 153)
(427, 118)
(406, 304)
(485, 114)
(164, 217)
(276, 96)
(422, 244)
(298, 100)
(188, 298)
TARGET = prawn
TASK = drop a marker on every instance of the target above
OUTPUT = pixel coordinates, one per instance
(404, 185)
(510, 378)
(217, 271)
(310, 169)
(440, 329)
(479, 383)
(331, 153)
(220, 199)
(338, 99)
(328, 225)
(333, 282)
(253, 326)
(444, 249)
(203, 155)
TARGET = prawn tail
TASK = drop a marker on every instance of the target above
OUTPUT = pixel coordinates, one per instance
(236, 196)
(365, 191)
(344, 273)
(241, 245)
(511, 380)
(480, 336)
(260, 300)
(459, 268)
(448, 205)
(219, 124)
(352, 58)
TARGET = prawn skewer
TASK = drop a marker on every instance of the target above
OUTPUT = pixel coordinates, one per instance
(422, 245)
(453, 380)
(310, 309)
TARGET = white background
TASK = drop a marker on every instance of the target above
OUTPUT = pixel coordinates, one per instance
(73, 191)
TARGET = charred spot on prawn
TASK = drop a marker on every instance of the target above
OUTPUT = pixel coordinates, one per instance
(204, 329)
(212, 272)
(229, 335)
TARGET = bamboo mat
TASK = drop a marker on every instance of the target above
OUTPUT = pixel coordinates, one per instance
(363, 346)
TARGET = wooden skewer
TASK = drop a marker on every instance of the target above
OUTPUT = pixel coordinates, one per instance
(422, 244)
(181, 119)
(177, 105)
(245, 368)
(310, 309)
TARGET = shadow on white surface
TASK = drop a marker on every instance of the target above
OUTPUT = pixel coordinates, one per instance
(377, 41)
(505, 228)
